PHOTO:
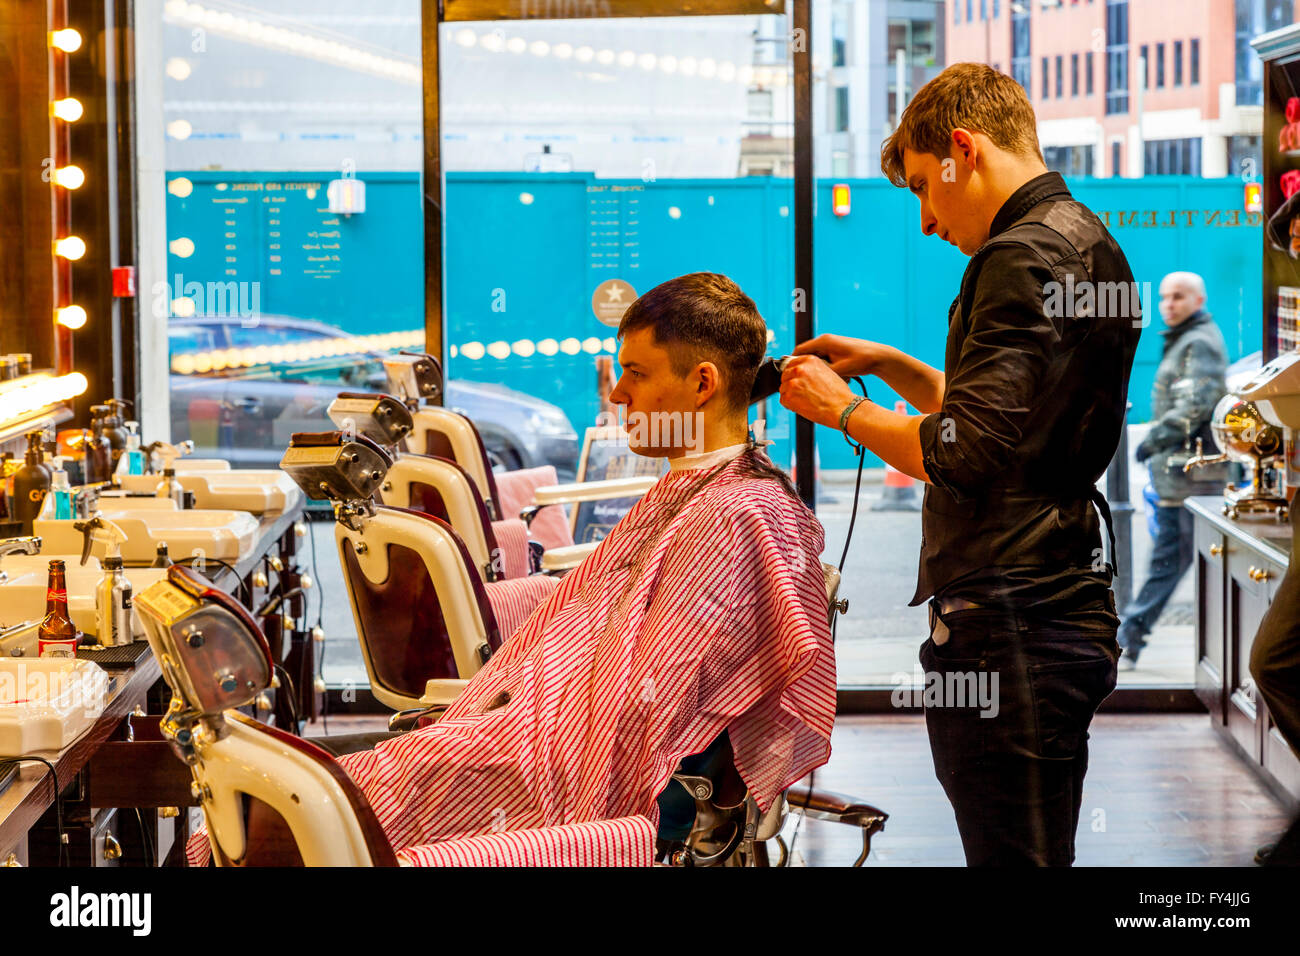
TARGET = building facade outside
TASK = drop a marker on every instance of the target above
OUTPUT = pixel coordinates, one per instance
(1195, 110)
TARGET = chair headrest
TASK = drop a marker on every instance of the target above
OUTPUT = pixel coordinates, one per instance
(213, 654)
(378, 416)
(335, 466)
(414, 376)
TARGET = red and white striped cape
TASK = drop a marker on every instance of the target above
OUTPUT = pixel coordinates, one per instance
(704, 610)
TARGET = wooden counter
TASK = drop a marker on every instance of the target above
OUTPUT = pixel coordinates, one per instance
(119, 765)
(1239, 565)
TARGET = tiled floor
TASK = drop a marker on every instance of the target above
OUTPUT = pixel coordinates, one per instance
(1162, 790)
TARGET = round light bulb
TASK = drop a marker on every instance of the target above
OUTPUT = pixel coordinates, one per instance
(68, 40)
(69, 109)
(69, 177)
(71, 316)
(70, 247)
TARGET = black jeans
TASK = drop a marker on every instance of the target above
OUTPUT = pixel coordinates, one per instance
(1008, 701)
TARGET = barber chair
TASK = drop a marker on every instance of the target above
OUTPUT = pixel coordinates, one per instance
(425, 618)
(271, 799)
(728, 828)
(416, 378)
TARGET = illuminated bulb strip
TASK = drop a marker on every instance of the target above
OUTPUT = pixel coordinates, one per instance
(216, 360)
(70, 247)
(71, 316)
(39, 394)
(69, 40)
(262, 33)
(69, 177)
(707, 68)
(68, 109)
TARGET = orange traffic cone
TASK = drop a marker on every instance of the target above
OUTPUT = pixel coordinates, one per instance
(899, 492)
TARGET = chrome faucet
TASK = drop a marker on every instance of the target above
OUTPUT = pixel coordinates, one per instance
(1200, 458)
(27, 545)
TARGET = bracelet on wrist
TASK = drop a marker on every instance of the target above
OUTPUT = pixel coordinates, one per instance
(844, 420)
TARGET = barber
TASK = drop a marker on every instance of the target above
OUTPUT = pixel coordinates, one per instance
(1013, 436)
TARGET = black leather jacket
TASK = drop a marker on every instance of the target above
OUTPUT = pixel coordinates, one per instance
(1040, 346)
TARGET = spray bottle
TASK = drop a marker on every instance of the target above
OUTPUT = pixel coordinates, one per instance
(114, 613)
(170, 487)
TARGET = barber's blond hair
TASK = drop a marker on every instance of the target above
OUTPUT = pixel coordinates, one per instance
(971, 96)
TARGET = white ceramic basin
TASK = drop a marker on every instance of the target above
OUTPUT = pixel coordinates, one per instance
(47, 703)
(22, 595)
(184, 466)
(255, 491)
(146, 522)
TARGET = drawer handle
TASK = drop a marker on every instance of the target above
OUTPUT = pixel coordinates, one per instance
(1260, 574)
(1216, 550)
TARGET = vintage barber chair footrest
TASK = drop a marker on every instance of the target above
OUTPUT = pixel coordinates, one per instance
(115, 658)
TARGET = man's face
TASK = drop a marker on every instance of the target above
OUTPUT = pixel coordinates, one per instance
(1178, 302)
(663, 409)
(949, 207)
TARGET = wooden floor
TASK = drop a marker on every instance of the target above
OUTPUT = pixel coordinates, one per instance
(1162, 790)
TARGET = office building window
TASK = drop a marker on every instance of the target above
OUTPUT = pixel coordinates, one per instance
(1060, 72)
(1116, 56)
(1160, 66)
(1244, 156)
(1253, 18)
(1144, 65)
(969, 15)
(1194, 62)
(1178, 63)
(1047, 88)
(841, 109)
(1021, 61)
(1114, 159)
(997, 8)
(1074, 74)
(956, 11)
(1173, 157)
(984, 9)
(1087, 75)
(840, 35)
(1069, 160)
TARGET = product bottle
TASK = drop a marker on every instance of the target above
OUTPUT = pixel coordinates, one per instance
(113, 609)
(99, 453)
(162, 559)
(61, 490)
(169, 487)
(6, 486)
(113, 429)
(132, 460)
(57, 636)
(31, 484)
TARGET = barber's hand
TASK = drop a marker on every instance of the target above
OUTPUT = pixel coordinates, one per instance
(812, 390)
(846, 356)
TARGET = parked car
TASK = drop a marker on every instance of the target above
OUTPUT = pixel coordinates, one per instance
(246, 413)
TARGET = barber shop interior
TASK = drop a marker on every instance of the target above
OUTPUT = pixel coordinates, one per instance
(560, 434)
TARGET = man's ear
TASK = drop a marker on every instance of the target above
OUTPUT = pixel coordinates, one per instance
(708, 381)
(965, 148)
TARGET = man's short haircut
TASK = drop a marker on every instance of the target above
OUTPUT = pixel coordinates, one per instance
(704, 317)
(970, 96)
(1190, 281)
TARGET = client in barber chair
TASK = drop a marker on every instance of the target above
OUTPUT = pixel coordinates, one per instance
(698, 625)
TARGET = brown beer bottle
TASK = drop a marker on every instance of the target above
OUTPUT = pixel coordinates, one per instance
(57, 636)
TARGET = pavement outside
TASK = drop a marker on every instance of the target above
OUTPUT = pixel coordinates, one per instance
(878, 639)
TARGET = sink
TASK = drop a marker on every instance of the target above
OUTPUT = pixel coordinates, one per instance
(254, 491)
(22, 596)
(47, 703)
(146, 522)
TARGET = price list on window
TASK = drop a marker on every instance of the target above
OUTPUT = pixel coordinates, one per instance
(613, 231)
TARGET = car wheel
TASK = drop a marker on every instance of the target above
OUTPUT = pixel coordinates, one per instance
(504, 458)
